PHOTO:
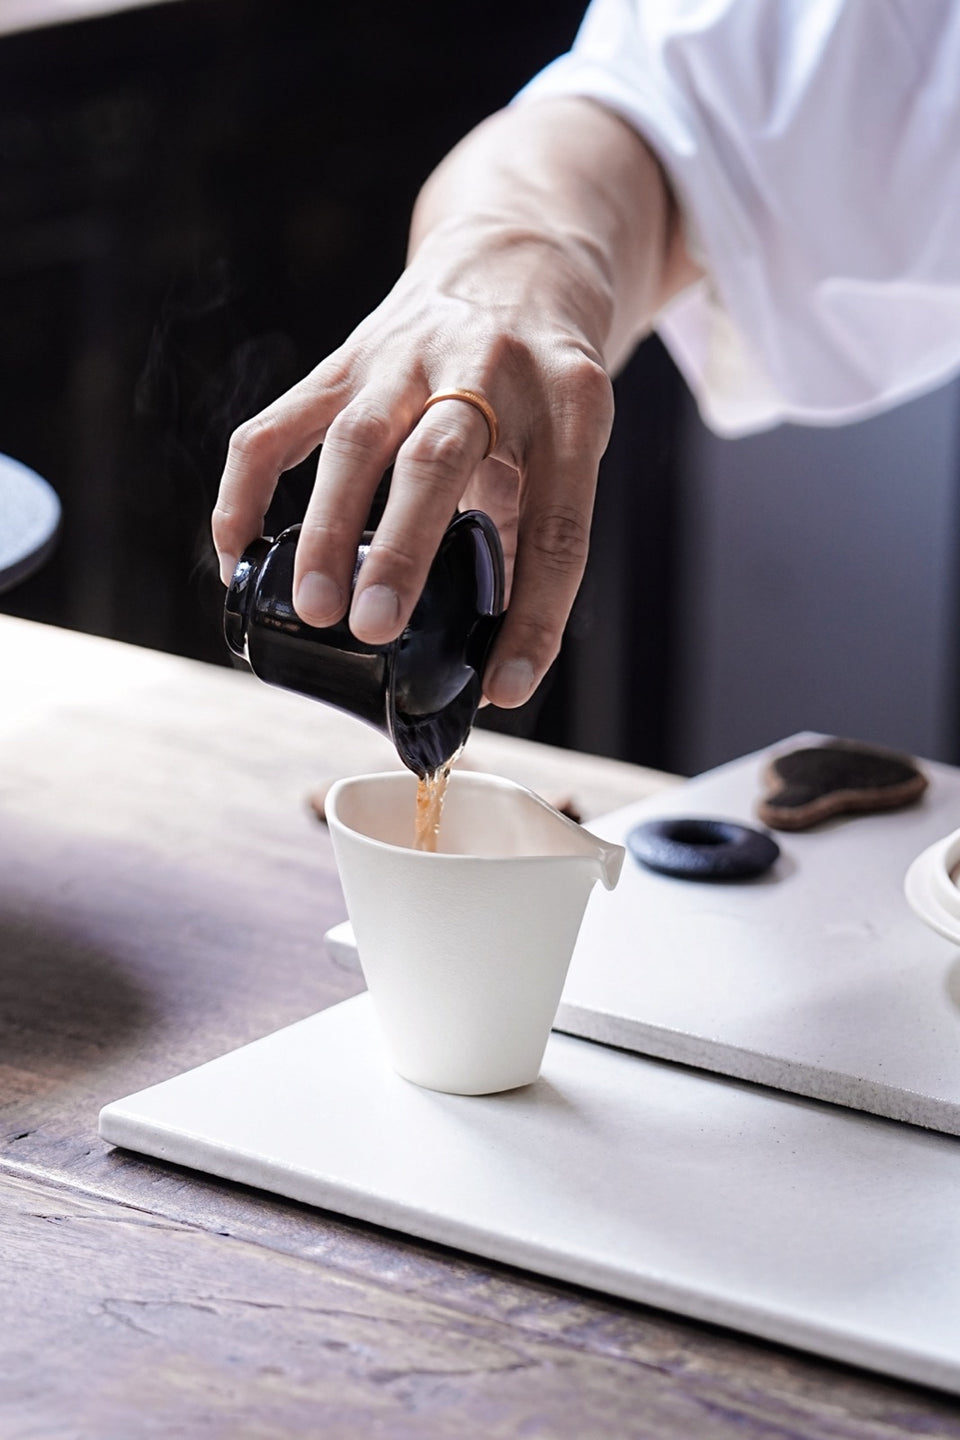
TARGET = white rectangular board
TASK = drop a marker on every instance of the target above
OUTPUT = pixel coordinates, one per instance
(817, 978)
(803, 1223)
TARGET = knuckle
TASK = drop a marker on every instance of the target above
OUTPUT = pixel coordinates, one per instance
(222, 520)
(228, 527)
(438, 454)
(395, 560)
(513, 354)
(361, 429)
(558, 538)
(223, 514)
(253, 442)
(582, 387)
(565, 368)
(320, 532)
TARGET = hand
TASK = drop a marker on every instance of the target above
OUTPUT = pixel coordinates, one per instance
(444, 325)
(523, 265)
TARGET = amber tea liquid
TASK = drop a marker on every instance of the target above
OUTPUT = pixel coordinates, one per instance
(430, 792)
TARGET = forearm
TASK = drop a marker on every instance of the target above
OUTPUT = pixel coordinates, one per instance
(577, 212)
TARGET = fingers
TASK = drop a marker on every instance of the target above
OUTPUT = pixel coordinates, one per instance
(555, 421)
(260, 451)
(431, 472)
(555, 512)
(360, 444)
(434, 454)
(551, 557)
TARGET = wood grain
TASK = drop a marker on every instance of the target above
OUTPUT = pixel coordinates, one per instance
(164, 889)
(123, 1323)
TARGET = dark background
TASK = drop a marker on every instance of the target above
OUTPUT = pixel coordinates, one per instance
(199, 201)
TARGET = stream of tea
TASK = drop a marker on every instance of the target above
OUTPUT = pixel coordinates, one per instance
(430, 792)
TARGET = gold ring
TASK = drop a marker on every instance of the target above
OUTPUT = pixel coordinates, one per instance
(470, 397)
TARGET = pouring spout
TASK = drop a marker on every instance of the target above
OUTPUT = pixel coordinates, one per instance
(610, 858)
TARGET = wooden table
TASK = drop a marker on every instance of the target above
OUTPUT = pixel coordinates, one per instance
(164, 888)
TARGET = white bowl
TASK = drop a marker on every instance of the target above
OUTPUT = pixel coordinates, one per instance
(931, 890)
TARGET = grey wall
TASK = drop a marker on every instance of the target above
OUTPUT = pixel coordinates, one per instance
(818, 585)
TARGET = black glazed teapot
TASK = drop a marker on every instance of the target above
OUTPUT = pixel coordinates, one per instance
(422, 689)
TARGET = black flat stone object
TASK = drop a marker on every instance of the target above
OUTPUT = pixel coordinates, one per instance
(700, 848)
(816, 782)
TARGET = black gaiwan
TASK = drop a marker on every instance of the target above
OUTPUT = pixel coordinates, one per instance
(422, 689)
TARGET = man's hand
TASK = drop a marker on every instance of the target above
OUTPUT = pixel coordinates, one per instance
(539, 250)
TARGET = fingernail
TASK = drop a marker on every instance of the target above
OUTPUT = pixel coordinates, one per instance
(319, 599)
(228, 563)
(375, 611)
(511, 683)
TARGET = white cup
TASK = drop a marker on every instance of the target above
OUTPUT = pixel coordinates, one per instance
(465, 951)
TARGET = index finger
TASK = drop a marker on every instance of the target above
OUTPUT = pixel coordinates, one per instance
(260, 450)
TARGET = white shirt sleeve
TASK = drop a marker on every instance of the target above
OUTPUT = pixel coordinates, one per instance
(814, 149)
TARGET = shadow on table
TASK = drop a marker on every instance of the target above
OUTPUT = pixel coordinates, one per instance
(65, 1004)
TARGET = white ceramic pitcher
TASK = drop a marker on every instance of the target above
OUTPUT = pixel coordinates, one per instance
(465, 951)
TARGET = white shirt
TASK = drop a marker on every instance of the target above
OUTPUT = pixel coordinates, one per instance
(814, 149)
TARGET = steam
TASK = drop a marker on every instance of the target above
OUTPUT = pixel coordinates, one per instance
(207, 369)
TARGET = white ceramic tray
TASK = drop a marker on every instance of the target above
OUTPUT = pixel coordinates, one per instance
(817, 978)
(799, 1222)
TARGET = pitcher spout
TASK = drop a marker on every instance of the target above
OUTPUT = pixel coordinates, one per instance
(610, 859)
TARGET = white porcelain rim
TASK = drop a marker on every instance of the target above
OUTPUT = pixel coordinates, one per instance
(930, 890)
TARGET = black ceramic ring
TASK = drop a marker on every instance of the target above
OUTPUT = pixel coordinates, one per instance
(691, 848)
